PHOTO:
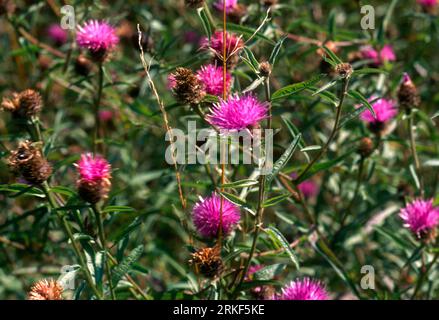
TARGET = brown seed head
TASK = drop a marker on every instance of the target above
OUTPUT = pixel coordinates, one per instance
(344, 70)
(265, 68)
(46, 290)
(207, 261)
(187, 88)
(25, 104)
(28, 162)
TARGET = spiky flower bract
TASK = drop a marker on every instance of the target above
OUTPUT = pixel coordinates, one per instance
(206, 216)
(420, 216)
(98, 37)
(46, 289)
(385, 110)
(304, 289)
(94, 177)
(230, 5)
(212, 78)
(238, 112)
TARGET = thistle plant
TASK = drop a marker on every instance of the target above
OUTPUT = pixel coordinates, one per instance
(218, 150)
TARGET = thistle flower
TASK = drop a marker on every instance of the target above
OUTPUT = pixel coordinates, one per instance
(207, 261)
(98, 37)
(212, 78)
(309, 188)
(408, 96)
(57, 34)
(386, 54)
(230, 5)
(428, 3)
(238, 113)
(29, 162)
(385, 110)
(233, 45)
(25, 104)
(305, 289)
(94, 178)
(206, 216)
(46, 289)
(186, 86)
(420, 216)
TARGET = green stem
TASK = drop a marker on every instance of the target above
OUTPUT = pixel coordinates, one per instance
(416, 161)
(103, 242)
(96, 108)
(354, 197)
(423, 275)
(46, 188)
(345, 83)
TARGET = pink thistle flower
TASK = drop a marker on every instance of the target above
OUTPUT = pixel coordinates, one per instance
(305, 289)
(385, 110)
(106, 115)
(94, 177)
(172, 82)
(237, 112)
(212, 78)
(370, 53)
(230, 5)
(387, 53)
(233, 45)
(420, 216)
(57, 34)
(309, 188)
(98, 37)
(428, 3)
(206, 216)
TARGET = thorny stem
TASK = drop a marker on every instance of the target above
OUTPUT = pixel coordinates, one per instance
(97, 128)
(103, 242)
(345, 84)
(46, 188)
(411, 130)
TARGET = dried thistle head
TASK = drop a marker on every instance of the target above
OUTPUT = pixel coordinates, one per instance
(344, 70)
(29, 162)
(194, 4)
(25, 104)
(408, 96)
(186, 86)
(207, 261)
(265, 68)
(46, 289)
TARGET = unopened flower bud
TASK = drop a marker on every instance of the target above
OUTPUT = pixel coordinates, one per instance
(25, 104)
(408, 96)
(207, 261)
(186, 86)
(29, 162)
(265, 68)
(366, 147)
(344, 70)
(83, 65)
(46, 290)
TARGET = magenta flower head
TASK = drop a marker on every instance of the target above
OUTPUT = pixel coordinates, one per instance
(233, 45)
(428, 3)
(387, 54)
(238, 112)
(57, 34)
(385, 110)
(94, 178)
(98, 37)
(309, 188)
(230, 5)
(421, 217)
(212, 78)
(305, 289)
(206, 216)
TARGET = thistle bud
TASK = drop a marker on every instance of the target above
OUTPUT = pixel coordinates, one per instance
(344, 70)
(25, 104)
(408, 96)
(28, 162)
(365, 148)
(194, 4)
(207, 261)
(46, 290)
(186, 86)
(265, 69)
(94, 181)
(83, 65)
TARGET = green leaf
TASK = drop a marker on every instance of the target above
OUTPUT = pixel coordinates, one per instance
(248, 32)
(351, 116)
(210, 98)
(125, 265)
(415, 176)
(332, 56)
(205, 21)
(295, 88)
(359, 97)
(269, 272)
(276, 50)
(118, 209)
(275, 200)
(240, 184)
(368, 71)
(251, 57)
(283, 160)
(279, 241)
